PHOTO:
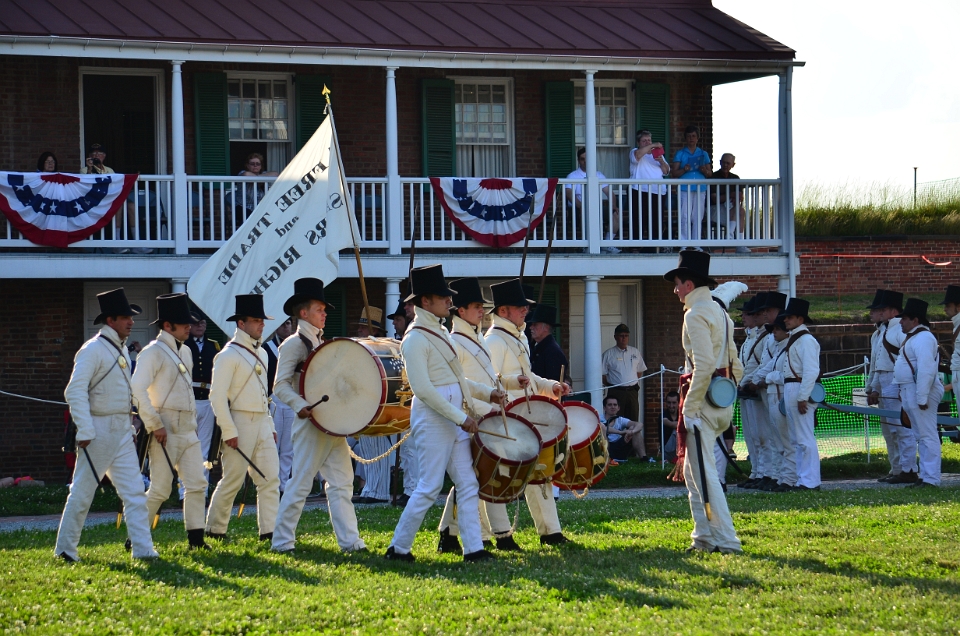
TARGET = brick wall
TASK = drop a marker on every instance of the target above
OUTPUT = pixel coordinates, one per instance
(42, 326)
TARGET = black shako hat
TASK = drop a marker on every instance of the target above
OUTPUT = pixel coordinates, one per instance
(305, 289)
(773, 300)
(400, 310)
(952, 296)
(114, 303)
(692, 263)
(754, 304)
(528, 293)
(545, 314)
(916, 308)
(173, 308)
(887, 298)
(510, 293)
(777, 323)
(798, 307)
(428, 280)
(249, 306)
(468, 291)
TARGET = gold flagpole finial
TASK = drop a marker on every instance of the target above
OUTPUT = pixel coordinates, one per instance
(326, 93)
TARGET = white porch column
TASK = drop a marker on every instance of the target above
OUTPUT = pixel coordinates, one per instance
(394, 210)
(393, 298)
(178, 285)
(785, 126)
(592, 366)
(180, 212)
(592, 200)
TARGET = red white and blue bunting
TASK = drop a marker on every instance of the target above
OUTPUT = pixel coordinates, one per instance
(495, 212)
(58, 209)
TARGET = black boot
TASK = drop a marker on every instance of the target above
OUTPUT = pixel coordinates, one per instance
(556, 538)
(266, 536)
(127, 545)
(217, 535)
(195, 539)
(508, 544)
(448, 544)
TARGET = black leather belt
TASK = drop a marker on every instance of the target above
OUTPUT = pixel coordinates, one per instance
(632, 386)
(791, 380)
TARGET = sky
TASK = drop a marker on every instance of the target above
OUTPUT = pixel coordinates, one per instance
(879, 93)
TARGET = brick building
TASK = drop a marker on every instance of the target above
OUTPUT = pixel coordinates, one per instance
(446, 87)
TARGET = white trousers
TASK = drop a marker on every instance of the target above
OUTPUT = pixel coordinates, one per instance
(255, 439)
(717, 531)
(113, 454)
(283, 417)
(441, 446)
(377, 474)
(773, 459)
(787, 473)
(801, 426)
(494, 520)
(749, 410)
(691, 211)
(890, 429)
(410, 464)
(315, 451)
(205, 423)
(925, 430)
(183, 449)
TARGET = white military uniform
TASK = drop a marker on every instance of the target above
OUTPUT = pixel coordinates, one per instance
(477, 365)
(99, 396)
(163, 389)
(955, 358)
(239, 396)
(437, 411)
(705, 325)
(510, 354)
(313, 451)
(283, 417)
(755, 425)
(800, 367)
(882, 359)
(916, 375)
(785, 464)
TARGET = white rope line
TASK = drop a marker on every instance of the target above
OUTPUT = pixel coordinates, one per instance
(379, 457)
(844, 371)
(33, 399)
(513, 526)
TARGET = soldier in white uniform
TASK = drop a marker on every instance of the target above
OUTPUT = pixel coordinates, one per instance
(100, 397)
(951, 305)
(163, 389)
(441, 417)
(282, 414)
(770, 381)
(800, 366)
(241, 404)
(724, 295)
(510, 354)
(916, 374)
(313, 450)
(472, 352)
(708, 345)
(771, 445)
(881, 389)
(748, 407)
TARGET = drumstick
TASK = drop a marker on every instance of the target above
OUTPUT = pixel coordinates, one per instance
(318, 402)
(512, 439)
(503, 408)
(526, 395)
(563, 368)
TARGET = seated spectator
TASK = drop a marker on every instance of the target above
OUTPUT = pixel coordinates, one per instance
(47, 162)
(647, 163)
(693, 163)
(670, 418)
(729, 199)
(624, 438)
(255, 166)
(573, 195)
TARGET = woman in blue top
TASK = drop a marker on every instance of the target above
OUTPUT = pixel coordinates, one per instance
(691, 162)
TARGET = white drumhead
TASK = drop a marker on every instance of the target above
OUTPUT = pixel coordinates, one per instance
(583, 421)
(543, 411)
(526, 446)
(346, 372)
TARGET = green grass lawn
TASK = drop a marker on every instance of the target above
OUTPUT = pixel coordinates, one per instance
(850, 308)
(829, 562)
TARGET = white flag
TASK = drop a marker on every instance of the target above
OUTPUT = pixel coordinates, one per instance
(296, 231)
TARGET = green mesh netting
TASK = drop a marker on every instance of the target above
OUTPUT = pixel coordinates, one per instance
(841, 433)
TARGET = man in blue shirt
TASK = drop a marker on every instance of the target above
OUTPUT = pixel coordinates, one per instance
(691, 162)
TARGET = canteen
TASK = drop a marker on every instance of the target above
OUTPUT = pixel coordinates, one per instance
(722, 392)
(817, 395)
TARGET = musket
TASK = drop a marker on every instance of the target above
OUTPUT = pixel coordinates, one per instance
(156, 517)
(730, 459)
(546, 260)
(526, 239)
(243, 497)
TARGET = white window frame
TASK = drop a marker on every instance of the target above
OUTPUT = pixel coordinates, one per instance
(160, 106)
(291, 107)
(631, 108)
(507, 82)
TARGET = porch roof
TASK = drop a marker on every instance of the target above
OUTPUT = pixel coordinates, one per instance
(638, 29)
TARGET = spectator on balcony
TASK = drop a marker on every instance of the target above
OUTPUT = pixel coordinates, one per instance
(95, 162)
(730, 200)
(693, 163)
(47, 162)
(573, 194)
(255, 166)
(647, 163)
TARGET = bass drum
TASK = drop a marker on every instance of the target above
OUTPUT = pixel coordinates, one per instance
(361, 378)
(504, 466)
(550, 420)
(589, 458)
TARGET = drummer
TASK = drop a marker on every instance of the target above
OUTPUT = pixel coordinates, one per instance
(375, 476)
(313, 450)
(441, 418)
(472, 352)
(510, 353)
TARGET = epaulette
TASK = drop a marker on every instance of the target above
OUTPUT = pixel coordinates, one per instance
(216, 345)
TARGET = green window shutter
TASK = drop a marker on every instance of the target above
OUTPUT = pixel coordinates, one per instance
(653, 111)
(439, 128)
(310, 105)
(210, 108)
(336, 325)
(560, 147)
(551, 294)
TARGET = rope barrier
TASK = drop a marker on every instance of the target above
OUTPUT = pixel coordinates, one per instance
(33, 399)
(381, 456)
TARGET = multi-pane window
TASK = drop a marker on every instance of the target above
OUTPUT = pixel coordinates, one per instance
(613, 126)
(258, 109)
(483, 113)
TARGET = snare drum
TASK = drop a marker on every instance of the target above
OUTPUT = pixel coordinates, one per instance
(589, 458)
(361, 377)
(504, 467)
(550, 420)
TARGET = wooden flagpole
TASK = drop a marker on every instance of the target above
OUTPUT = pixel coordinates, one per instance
(546, 260)
(526, 240)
